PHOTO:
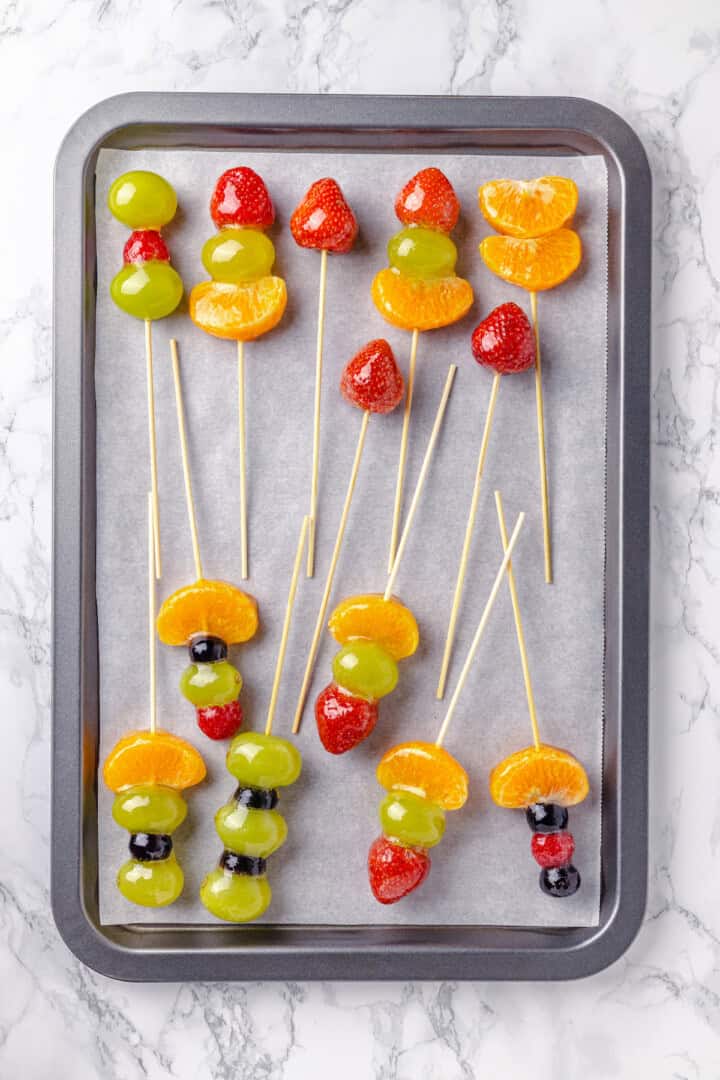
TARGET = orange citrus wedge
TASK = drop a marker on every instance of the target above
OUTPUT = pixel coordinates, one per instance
(207, 607)
(546, 774)
(238, 312)
(426, 770)
(417, 304)
(528, 208)
(144, 757)
(370, 617)
(534, 265)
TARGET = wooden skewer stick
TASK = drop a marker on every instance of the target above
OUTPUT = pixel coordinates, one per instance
(243, 474)
(421, 479)
(315, 643)
(402, 460)
(541, 444)
(180, 410)
(152, 438)
(518, 625)
(151, 615)
(465, 555)
(286, 625)
(479, 632)
(316, 411)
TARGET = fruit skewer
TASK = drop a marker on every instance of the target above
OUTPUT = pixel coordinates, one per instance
(323, 221)
(420, 290)
(206, 616)
(244, 299)
(147, 770)
(422, 781)
(374, 631)
(147, 287)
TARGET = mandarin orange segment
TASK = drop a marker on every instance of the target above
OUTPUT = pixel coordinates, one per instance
(144, 757)
(207, 607)
(528, 208)
(238, 312)
(418, 304)
(535, 265)
(426, 770)
(369, 617)
(546, 774)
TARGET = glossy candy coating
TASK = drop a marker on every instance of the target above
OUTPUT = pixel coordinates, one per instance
(142, 200)
(394, 870)
(324, 220)
(412, 820)
(343, 720)
(150, 847)
(207, 649)
(366, 669)
(236, 898)
(428, 199)
(370, 617)
(534, 265)
(236, 255)
(220, 721)
(241, 198)
(207, 607)
(263, 761)
(240, 312)
(528, 208)
(149, 808)
(505, 340)
(426, 770)
(422, 253)
(151, 884)
(552, 849)
(543, 775)
(158, 758)
(145, 245)
(147, 290)
(250, 832)
(414, 304)
(372, 380)
(210, 684)
(546, 817)
(560, 881)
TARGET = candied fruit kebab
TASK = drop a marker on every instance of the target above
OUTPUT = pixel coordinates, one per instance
(420, 289)
(322, 221)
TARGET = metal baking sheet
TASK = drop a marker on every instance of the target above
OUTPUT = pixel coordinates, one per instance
(360, 951)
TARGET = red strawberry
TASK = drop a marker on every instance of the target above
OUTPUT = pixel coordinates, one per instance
(372, 380)
(428, 199)
(241, 198)
(505, 340)
(343, 720)
(220, 721)
(323, 219)
(394, 870)
(145, 245)
(552, 849)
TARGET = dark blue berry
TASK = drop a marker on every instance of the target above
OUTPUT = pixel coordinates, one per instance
(207, 649)
(150, 847)
(256, 798)
(242, 864)
(546, 817)
(560, 880)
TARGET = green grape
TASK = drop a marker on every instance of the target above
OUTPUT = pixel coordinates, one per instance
(263, 761)
(149, 808)
(142, 200)
(412, 820)
(250, 832)
(238, 255)
(235, 897)
(422, 253)
(151, 884)
(365, 669)
(211, 684)
(149, 290)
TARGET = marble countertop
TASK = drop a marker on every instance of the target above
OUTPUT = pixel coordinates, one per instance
(655, 1013)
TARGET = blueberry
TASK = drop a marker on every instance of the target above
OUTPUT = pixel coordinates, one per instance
(207, 649)
(256, 798)
(546, 817)
(242, 864)
(150, 847)
(560, 880)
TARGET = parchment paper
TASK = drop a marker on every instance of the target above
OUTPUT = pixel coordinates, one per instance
(482, 872)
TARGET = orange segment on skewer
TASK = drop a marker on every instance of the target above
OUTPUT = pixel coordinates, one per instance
(535, 265)
(146, 757)
(419, 304)
(426, 770)
(546, 774)
(370, 617)
(208, 607)
(528, 208)
(238, 312)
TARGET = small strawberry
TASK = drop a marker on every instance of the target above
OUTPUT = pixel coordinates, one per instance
(220, 721)
(552, 849)
(323, 219)
(505, 340)
(343, 720)
(145, 245)
(428, 199)
(372, 380)
(394, 870)
(241, 198)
